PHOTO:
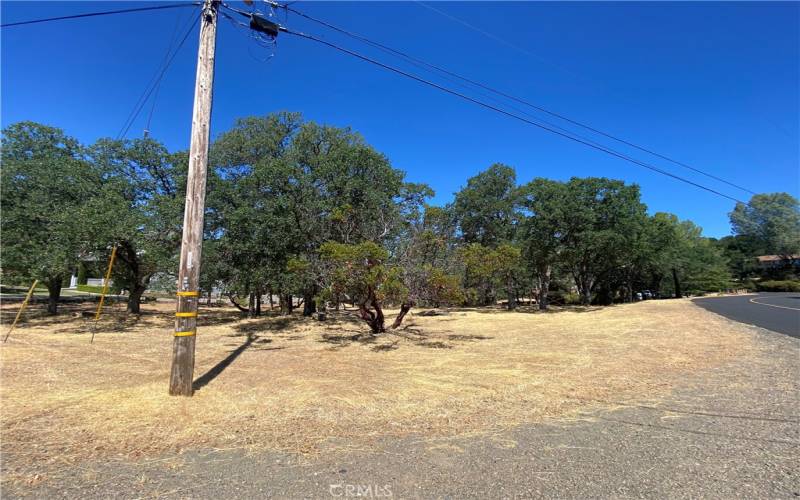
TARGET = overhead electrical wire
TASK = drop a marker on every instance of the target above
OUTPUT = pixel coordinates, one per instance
(538, 123)
(484, 94)
(417, 61)
(570, 136)
(155, 81)
(550, 127)
(104, 13)
(490, 35)
(172, 39)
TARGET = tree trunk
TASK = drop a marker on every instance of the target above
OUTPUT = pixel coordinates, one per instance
(82, 273)
(54, 293)
(271, 303)
(584, 285)
(404, 308)
(371, 318)
(379, 318)
(489, 298)
(678, 293)
(544, 287)
(251, 305)
(286, 303)
(258, 303)
(375, 319)
(629, 287)
(512, 295)
(309, 304)
(135, 299)
(586, 297)
(233, 301)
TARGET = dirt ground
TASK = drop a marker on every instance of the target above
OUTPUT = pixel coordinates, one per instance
(298, 385)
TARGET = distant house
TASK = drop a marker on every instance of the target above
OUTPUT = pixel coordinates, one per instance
(778, 261)
(88, 265)
(73, 281)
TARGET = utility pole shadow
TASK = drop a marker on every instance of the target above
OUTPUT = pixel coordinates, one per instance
(214, 372)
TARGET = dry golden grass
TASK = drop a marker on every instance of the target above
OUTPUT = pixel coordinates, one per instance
(301, 385)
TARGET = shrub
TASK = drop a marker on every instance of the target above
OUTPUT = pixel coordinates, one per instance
(749, 285)
(779, 286)
(562, 298)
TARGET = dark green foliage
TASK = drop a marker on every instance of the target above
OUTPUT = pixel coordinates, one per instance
(82, 276)
(361, 272)
(773, 220)
(769, 224)
(286, 187)
(779, 286)
(491, 272)
(301, 210)
(138, 209)
(596, 232)
(46, 180)
(484, 209)
(602, 217)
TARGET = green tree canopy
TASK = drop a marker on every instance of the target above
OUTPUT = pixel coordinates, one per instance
(290, 186)
(773, 219)
(485, 208)
(138, 209)
(46, 180)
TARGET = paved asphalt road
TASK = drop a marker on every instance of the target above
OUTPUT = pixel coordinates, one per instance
(779, 312)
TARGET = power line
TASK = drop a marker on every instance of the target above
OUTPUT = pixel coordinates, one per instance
(420, 64)
(105, 13)
(154, 82)
(509, 96)
(172, 39)
(504, 112)
(490, 35)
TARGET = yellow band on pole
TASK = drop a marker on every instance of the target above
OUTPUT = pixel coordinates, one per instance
(191, 333)
(188, 294)
(186, 314)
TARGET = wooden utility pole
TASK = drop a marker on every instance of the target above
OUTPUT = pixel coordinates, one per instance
(181, 377)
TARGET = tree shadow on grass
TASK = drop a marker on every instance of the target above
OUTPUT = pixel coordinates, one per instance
(272, 324)
(339, 341)
(390, 340)
(529, 309)
(217, 317)
(468, 338)
(276, 322)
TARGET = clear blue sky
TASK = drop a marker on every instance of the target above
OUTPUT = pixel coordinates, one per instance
(715, 85)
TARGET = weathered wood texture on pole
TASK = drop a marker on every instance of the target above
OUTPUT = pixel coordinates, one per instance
(180, 383)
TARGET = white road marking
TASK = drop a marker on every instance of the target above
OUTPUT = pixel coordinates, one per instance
(773, 305)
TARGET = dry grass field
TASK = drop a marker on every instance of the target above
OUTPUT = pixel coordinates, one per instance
(297, 384)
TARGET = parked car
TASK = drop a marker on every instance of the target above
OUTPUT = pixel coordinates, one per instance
(647, 294)
(637, 296)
